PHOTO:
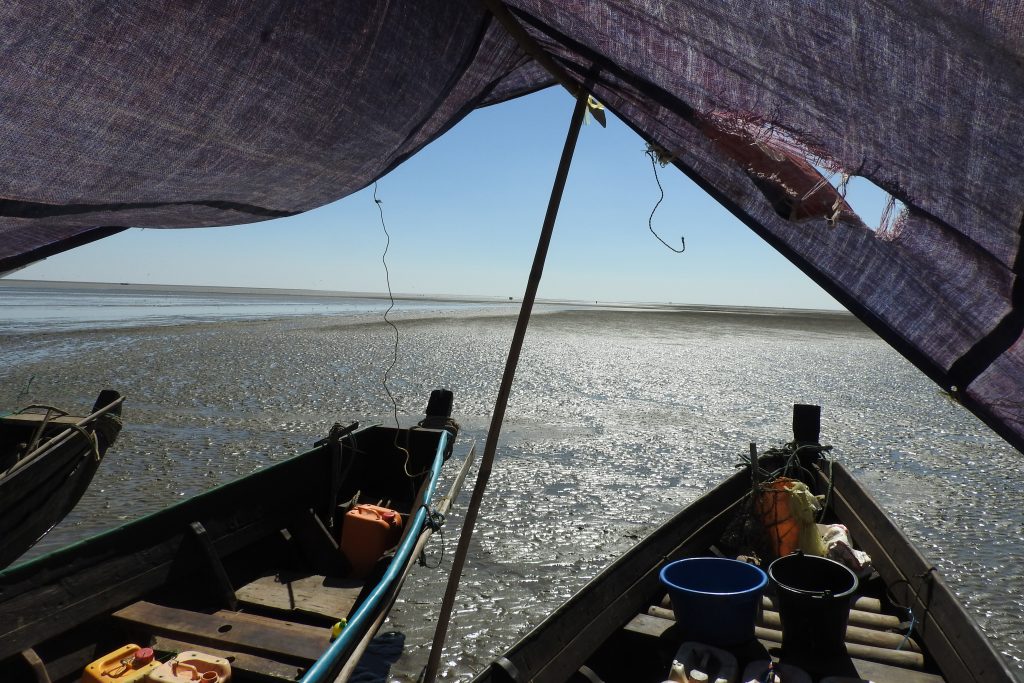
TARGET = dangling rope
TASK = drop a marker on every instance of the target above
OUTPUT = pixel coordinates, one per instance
(394, 358)
(655, 158)
(435, 522)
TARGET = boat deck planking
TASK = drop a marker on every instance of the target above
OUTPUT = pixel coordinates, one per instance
(314, 595)
(658, 627)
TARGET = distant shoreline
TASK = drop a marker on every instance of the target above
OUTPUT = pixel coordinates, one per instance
(454, 298)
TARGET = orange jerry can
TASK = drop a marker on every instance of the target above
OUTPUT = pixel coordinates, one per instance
(367, 532)
(129, 664)
(777, 517)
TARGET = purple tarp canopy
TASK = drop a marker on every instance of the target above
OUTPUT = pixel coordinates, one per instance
(212, 112)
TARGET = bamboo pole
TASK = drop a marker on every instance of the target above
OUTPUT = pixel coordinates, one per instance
(501, 402)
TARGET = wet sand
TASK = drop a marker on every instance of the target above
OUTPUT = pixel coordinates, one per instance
(618, 418)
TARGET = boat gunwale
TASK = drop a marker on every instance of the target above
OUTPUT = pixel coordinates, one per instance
(536, 655)
(950, 635)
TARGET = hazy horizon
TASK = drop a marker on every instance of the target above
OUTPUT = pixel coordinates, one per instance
(463, 216)
(432, 296)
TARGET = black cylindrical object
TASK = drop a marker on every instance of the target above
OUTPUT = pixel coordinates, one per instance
(814, 597)
(440, 403)
(806, 423)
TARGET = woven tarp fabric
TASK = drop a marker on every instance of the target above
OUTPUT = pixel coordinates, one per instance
(216, 113)
(920, 98)
(209, 113)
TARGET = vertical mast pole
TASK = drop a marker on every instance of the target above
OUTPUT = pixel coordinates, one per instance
(501, 402)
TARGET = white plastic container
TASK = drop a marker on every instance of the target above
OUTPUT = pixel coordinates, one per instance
(698, 662)
(192, 667)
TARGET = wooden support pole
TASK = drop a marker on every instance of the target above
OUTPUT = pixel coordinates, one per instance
(501, 402)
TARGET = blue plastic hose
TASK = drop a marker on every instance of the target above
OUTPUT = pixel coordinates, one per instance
(324, 668)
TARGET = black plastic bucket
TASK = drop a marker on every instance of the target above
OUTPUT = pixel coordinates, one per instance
(814, 596)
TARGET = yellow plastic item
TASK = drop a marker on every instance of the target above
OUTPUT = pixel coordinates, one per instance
(193, 667)
(121, 666)
(367, 532)
(338, 628)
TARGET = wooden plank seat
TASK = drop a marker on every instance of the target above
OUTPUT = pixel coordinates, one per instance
(770, 619)
(297, 645)
(866, 612)
(325, 597)
(255, 668)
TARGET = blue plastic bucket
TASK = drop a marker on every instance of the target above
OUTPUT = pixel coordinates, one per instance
(715, 600)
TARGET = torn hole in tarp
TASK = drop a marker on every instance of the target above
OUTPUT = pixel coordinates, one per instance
(783, 168)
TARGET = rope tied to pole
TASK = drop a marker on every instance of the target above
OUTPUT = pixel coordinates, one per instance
(435, 522)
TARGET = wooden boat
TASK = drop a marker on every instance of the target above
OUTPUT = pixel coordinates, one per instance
(251, 572)
(905, 625)
(47, 459)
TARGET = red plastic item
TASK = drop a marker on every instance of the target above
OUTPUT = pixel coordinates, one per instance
(367, 532)
(123, 665)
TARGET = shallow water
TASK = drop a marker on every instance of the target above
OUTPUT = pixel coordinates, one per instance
(617, 419)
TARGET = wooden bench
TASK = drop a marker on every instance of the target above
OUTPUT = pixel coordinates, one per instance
(268, 648)
(323, 597)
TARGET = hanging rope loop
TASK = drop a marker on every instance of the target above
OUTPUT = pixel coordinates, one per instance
(657, 156)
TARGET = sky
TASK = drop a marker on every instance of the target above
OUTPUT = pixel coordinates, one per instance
(464, 215)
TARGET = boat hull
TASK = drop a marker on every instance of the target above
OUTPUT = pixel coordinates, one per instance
(620, 625)
(250, 571)
(38, 495)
